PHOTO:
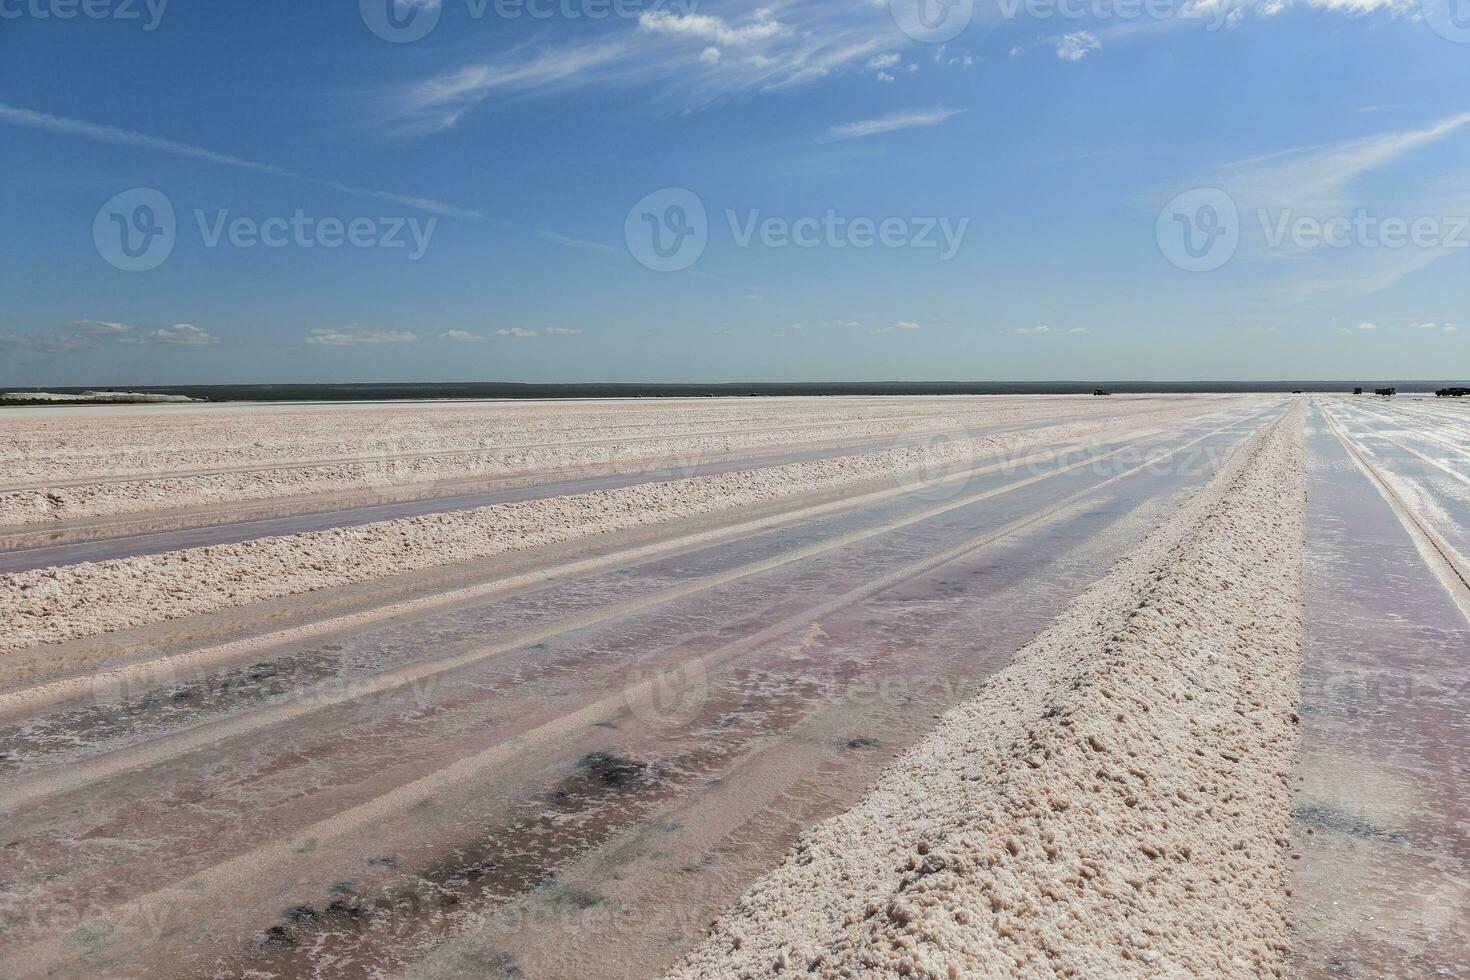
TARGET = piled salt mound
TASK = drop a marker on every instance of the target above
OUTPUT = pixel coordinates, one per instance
(1114, 803)
(408, 449)
(55, 604)
(105, 443)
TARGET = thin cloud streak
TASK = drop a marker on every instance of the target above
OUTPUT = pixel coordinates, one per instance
(354, 335)
(1321, 182)
(582, 243)
(31, 119)
(1318, 179)
(890, 123)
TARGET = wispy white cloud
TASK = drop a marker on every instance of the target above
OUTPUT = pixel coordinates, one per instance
(707, 27)
(83, 335)
(1078, 330)
(1078, 45)
(178, 335)
(564, 331)
(1209, 15)
(1234, 11)
(463, 337)
(515, 332)
(892, 122)
(901, 325)
(440, 102)
(352, 336)
(78, 336)
(692, 59)
(121, 137)
(1039, 328)
(1329, 183)
(1319, 179)
(97, 328)
(698, 57)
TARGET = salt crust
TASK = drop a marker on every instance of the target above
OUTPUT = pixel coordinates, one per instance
(66, 468)
(62, 603)
(1114, 803)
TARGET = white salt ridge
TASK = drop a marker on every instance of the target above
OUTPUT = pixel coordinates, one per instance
(1115, 802)
(23, 508)
(56, 604)
(113, 443)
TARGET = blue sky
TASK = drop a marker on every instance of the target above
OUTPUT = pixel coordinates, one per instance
(1084, 189)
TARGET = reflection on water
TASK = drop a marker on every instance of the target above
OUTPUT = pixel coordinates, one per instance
(1381, 819)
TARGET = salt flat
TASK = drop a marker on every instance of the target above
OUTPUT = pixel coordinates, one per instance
(923, 686)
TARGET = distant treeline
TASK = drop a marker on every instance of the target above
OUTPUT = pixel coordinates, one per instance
(500, 389)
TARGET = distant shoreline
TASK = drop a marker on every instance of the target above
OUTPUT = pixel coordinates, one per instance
(395, 391)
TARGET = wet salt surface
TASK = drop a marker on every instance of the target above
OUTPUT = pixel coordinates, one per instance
(147, 533)
(930, 638)
(296, 523)
(114, 720)
(836, 701)
(1382, 819)
(1437, 488)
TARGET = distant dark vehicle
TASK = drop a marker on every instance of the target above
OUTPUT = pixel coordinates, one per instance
(1298, 391)
(1452, 392)
(1099, 391)
(1357, 391)
(1386, 392)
